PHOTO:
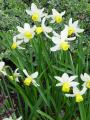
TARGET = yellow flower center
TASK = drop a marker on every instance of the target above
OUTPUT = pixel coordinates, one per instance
(64, 46)
(88, 84)
(28, 81)
(79, 98)
(66, 87)
(39, 30)
(28, 35)
(58, 19)
(71, 30)
(35, 17)
(14, 45)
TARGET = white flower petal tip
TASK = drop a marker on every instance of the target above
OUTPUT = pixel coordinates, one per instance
(2, 64)
(55, 48)
(34, 75)
(25, 72)
(2, 68)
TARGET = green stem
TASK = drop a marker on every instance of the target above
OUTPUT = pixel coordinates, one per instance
(82, 111)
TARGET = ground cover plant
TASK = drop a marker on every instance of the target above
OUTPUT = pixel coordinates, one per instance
(44, 60)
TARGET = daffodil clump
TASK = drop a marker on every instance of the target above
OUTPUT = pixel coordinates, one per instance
(61, 40)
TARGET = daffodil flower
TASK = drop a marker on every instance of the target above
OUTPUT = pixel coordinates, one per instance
(36, 13)
(43, 28)
(56, 16)
(66, 82)
(16, 44)
(61, 41)
(26, 33)
(15, 76)
(77, 94)
(2, 70)
(86, 79)
(30, 79)
(73, 28)
(10, 118)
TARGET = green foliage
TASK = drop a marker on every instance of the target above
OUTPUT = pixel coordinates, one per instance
(12, 13)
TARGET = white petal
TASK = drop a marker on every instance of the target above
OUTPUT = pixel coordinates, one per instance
(82, 77)
(22, 48)
(33, 28)
(17, 80)
(16, 71)
(56, 34)
(29, 12)
(19, 42)
(7, 119)
(70, 21)
(55, 48)
(84, 84)
(74, 84)
(26, 26)
(64, 34)
(75, 24)
(79, 30)
(58, 78)
(20, 29)
(14, 39)
(42, 10)
(59, 84)
(52, 21)
(65, 77)
(47, 35)
(26, 40)
(55, 12)
(76, 90)
(19, 36)
(35, 83)
(62, 13)
(83, 90)
(71, 38)
(87, 76)
(49, 16)
(2, 64)
(33, 7)
(19, 118)
(56, 40)
(3, 72)
(34, 75)
(72, 78)
(48, 29)
(69, 95)
(77, 34)
(25, 72)
(41, 13)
